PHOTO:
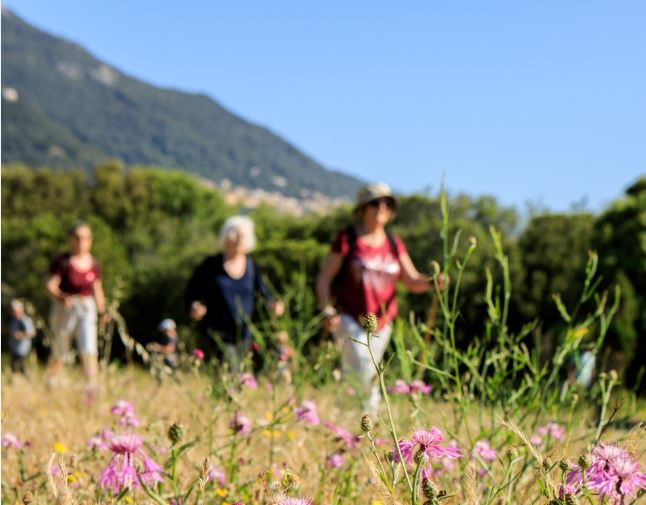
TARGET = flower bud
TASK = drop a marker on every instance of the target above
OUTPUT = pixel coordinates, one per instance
(64, 497)
(370, 323)
(28, 497)
(547, 463)
(419, 457)
(571, 499)
(613, 375)
(175, 433)
(584, 461)
(564, 465)
(473, 242)
(429, 489)
(290, 480)
(366, 424)
(511, 452)
(435, 268)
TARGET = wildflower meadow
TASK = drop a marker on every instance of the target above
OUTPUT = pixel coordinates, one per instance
(494, 422)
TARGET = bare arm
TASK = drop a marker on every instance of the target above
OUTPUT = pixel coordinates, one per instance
(54, 287)
(412, 279)
(99, 296)
(331, 267)
(417, 282)
(328, 272)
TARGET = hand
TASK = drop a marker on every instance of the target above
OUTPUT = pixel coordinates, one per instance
(198, 311)
(105, 318)
(442, 281)
(67, 302)
(277, 307)
(331, 323)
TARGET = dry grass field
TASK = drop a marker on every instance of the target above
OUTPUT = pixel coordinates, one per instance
(279, 452)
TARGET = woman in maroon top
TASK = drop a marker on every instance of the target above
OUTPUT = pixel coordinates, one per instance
(75, 286)
(359, 277)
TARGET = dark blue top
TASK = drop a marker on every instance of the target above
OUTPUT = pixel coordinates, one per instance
(228, 301)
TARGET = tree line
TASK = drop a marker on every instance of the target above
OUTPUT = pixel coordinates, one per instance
(153, 226)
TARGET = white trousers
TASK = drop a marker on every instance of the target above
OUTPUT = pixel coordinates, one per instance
(356, 362)
(80, 319)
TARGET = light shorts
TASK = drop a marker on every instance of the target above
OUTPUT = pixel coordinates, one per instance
(81, 319)
(355, 357)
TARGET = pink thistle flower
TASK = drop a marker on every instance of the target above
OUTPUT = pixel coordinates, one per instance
(418, 386)
(240, 424)
(96, 443)
(215, 474)
(11, 440)
(429, 445)
(551, 429)
(536, 440)
(351, 441)
(121, 472)
(129, 419)
(399, 388)
(485, 451)
(614, 473)
(307, 413)
(335, 460)
(122, 407)
(198, 354)
(248, 380)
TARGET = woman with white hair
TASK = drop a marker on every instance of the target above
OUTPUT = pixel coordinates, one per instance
(221, 294)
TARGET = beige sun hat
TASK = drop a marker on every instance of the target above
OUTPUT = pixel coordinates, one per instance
(375, 191)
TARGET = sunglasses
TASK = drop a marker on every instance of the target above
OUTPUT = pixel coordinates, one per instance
(386, 201)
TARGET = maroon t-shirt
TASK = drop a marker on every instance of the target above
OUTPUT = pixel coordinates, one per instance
(368, 278)
(74, 282)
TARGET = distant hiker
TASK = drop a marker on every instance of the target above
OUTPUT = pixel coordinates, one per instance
(359, 277)
(78, 301)
(582, 367)
(21, 331)
(285, 356)
(164, 343)
(221, 294)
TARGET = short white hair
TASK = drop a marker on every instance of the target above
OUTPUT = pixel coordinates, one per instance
(242, 225)
(17, 305)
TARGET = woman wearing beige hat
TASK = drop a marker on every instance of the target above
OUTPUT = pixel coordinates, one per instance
(359, 277)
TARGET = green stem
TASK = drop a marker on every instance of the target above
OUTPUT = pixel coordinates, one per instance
(391, 420)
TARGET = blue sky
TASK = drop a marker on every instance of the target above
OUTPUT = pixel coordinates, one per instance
(528, 101)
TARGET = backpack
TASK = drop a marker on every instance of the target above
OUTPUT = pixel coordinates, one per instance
(352, 244)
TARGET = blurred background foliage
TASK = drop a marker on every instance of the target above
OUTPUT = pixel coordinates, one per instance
(153, 226)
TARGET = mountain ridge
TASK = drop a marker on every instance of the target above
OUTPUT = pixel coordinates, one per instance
(97, 112)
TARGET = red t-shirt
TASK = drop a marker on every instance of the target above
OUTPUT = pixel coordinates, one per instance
(368, 278)
(74, 282)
